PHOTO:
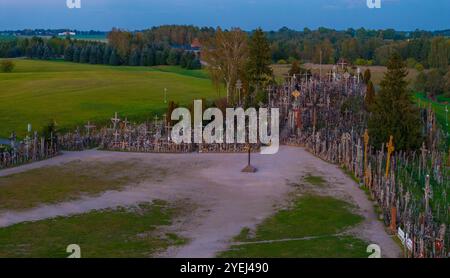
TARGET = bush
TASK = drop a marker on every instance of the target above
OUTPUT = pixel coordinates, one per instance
(6, 66)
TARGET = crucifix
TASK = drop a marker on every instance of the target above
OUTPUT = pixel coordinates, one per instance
(249, 168)
(390, 150)
(342, 64)
(239, 88)
(88, 127)
(115, 121)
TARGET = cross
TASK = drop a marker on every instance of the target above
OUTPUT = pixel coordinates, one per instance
(13, 140)
(126, 123)
(314, 105)
(342, 64)
(390, 149)
(366, 145)
(424, 153)
(115, 121)
(156, 120)
(427, 193)
(116, 137)
(329, 74)
(89, 127)
(165, 95)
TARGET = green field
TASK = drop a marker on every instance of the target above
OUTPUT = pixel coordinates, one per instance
(37, 92)
(438, 108)
(310, 228)
(136, 232)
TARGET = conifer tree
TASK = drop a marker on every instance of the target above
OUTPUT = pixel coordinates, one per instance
(393, 112)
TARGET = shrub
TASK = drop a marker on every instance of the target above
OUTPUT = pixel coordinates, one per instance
(6, 66)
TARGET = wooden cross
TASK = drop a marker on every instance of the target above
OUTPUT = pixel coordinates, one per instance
(88, 127)
(424, 153)
(390, 149)
(366, 146)
(115, 121)
(427, 193)
(125, 124)
(314, 104)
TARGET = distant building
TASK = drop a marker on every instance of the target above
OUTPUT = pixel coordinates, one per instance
(67, 33)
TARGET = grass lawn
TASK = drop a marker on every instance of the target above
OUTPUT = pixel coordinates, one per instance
(37, 92)
(438, 108)
(310, 216)
(70, 181)
(123, 232)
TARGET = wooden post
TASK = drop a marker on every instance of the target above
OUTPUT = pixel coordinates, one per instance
(394, 219)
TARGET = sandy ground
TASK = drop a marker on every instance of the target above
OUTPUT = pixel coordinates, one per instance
(226, 200)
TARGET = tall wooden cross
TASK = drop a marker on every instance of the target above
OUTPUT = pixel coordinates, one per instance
(427, 193)
(115, 121)
(88, 127)
(366, 146)
(314, 105)
(390, 150)
(424, 150)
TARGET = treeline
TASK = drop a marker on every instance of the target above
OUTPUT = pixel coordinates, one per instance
(361, 46)
(123, 48)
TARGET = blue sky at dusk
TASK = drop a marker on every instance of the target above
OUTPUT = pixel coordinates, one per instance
(247, 14)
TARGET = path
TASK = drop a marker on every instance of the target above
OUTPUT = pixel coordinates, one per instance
(228, 200)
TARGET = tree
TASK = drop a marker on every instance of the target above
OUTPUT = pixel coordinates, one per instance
(367, 76)
(114, 59)
(7, 66)
(434, 84)
(394, 112)
(226, 56)
(370, 96)
(259, 60)
(295, 68)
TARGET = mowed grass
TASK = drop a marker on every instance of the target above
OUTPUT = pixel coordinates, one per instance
(37, 92)
(70, 181)
(123, 232)
(308, 229)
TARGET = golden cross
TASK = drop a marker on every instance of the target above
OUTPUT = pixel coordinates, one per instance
(390, 149)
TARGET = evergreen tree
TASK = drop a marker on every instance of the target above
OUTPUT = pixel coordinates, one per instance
(84, 54)
(394, 112)
(68, 53)
(107, 55)
(100, 53)
(134, 57)
(367, 76)
(76, 54)
(370, 96)
(258, 66)
(114, 59)
(295, 68)
(93, 55)
(173, 58)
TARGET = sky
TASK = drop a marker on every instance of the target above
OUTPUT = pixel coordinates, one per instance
(247, 14)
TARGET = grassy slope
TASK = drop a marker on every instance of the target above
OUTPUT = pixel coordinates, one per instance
(108, 233)
(39, 91)
(310, 216)
(70, 181)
